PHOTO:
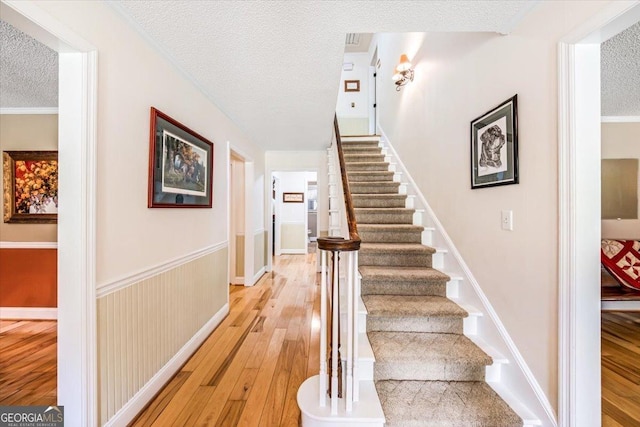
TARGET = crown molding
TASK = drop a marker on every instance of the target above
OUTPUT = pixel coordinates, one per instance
(30, 110)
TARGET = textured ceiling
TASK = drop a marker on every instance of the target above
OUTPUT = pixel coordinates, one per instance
(620, 63)
(274, 66)
(28, 71)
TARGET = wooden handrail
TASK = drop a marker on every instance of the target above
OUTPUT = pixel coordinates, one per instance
(353, 242)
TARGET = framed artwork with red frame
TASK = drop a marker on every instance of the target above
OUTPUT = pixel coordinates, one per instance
(180, 165)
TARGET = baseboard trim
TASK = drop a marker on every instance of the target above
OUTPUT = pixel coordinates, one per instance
(293, 252)
(124, 282)
(620, 306)
(237, 281)
(258, 275)
(33, 313)
(137, 403)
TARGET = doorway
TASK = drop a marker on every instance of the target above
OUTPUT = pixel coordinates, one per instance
(236, 219)
(373, 93)
(579, 213)
(292, 209)
(77, 383)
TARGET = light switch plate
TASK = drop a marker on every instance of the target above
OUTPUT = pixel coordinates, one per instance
(506, 219)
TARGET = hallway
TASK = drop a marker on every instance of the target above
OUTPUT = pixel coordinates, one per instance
(247, 373)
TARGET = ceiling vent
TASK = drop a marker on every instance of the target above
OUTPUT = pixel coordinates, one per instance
(353, 39)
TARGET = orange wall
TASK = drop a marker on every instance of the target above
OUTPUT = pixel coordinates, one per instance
(28, 278)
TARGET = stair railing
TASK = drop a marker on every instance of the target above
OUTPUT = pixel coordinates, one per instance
(340, 291)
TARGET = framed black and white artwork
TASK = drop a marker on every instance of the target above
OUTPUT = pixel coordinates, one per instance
(494, 146)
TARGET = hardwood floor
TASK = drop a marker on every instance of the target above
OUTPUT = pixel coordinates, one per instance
(620, 369)
(28, 369)
(247, 373)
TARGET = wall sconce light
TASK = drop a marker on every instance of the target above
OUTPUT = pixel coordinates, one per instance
(403, 73)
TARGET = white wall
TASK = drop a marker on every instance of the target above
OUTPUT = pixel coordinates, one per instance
(137, 245)
(621, 141)
(132, 78)
(354, 119)
(458, 77)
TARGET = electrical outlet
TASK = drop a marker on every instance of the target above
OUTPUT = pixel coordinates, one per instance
(506, 219)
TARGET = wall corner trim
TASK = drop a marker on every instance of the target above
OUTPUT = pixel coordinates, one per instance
(28, 245)
(34, 313)
(137, 403)
(140, 275)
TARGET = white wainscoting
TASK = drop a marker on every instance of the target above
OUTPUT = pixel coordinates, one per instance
(149, 328)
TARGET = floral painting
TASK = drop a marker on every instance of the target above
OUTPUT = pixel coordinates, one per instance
(30, 186)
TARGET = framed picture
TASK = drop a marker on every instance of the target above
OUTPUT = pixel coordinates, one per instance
(180, 165)
(30, 186)
(352, 85)
(293, 197)
(494, 146)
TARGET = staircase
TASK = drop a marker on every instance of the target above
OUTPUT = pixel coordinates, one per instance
(427, 373)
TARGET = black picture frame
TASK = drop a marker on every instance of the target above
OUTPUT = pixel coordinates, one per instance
(494, 146)
(180, 165)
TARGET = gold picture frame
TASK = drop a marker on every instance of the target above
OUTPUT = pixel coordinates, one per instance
(30, 192)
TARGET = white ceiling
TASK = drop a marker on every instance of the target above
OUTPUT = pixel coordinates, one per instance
(272, 67)
(620, 73)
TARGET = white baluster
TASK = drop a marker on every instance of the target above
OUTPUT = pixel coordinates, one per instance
(335, 325)
(348, 395)
(323, 330)
(355, 310)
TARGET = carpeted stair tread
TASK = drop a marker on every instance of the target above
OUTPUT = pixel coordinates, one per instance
(444, 404)
(424, 313)
(375, 187)
(412, 306)
(379, 200)
(362, 143)
(384, 215)
(390, 233)
(386, 280)
(395, 254)
(396, 247)
(361, 149)
(356, 158)
(416, 274)
(367, 166)
(427, 357)
(368, 176)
